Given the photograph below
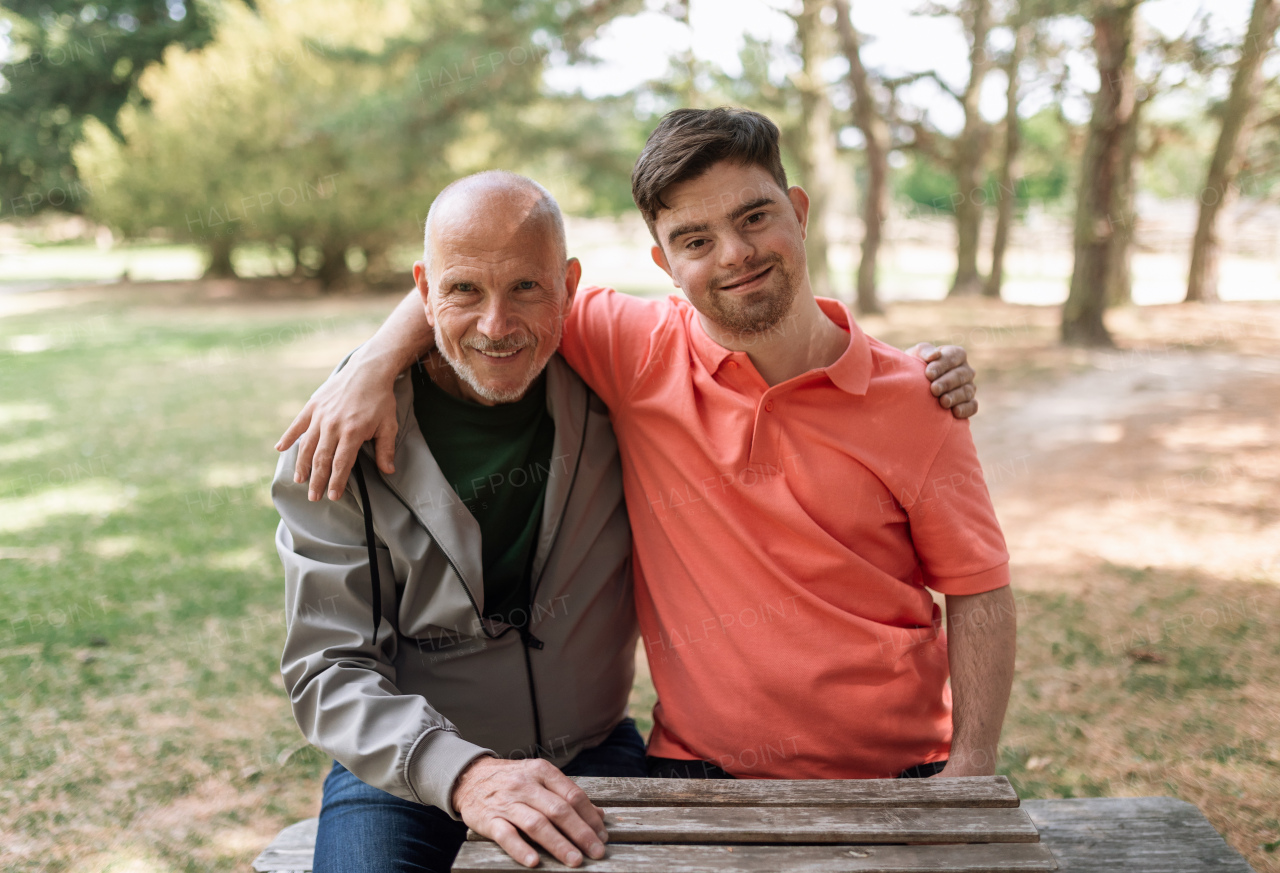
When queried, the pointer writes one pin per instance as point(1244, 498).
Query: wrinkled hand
point(357, 404)
point(950, 376)
point(495, 797)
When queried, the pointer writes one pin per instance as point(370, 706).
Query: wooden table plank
point(292, 851)
point(1134, 835)
point(1017, 858)
point(979, 791)
point(811, 824)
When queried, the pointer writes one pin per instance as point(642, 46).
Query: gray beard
point(760, 311)
point(467, 374)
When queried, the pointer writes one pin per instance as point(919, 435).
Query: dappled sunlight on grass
point(92, 497)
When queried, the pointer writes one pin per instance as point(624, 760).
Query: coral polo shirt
point(784, 540)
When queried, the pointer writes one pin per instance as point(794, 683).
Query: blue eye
point(526, 285)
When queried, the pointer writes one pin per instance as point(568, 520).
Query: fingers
point(384, 446)
point(924, 351)
point(570, 823)
point(948, 358)
point(322, 463)
point(960, 395)
point(505, 835)
point(952, 380)
point(306, 450)
point(581, 805)
point(538, 824)
point(344, 459)
point(965, 410)
point(299, 426)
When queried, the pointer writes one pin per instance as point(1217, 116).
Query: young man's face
point(733, 241)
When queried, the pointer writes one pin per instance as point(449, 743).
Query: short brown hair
point(688, 141)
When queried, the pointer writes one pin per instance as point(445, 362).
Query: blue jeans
point(366, 830)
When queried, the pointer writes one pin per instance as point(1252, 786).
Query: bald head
point(496, 282)
point(498, 204)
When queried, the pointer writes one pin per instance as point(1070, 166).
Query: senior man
point(416, 714)
point(459, 628)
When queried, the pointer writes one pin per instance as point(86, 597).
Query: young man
point(790, 486)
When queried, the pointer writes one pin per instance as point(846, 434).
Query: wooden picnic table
point(833, 826)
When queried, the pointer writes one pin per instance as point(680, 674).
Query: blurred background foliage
point(278, 124)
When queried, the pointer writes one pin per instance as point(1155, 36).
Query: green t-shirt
point(497, 458)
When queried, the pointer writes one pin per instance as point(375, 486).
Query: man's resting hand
point(496, 797)
point(950, 377)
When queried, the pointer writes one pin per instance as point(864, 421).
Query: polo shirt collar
point(850, 373)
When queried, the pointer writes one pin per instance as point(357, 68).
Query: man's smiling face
point(497, 289)
point(733, 240)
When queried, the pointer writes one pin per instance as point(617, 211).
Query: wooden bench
point(858, 825)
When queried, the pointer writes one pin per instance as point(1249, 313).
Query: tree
point(816, 152)
point(970, 149)
point(1237, 119)
point(871, 121)
point(1101, 173)
point(1009, 174)
point(334, 151)
point(73, 62)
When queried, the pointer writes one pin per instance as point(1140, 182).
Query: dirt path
point(1141, 502)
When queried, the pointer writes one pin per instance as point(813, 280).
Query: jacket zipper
point(527, 639)
point(526, 632)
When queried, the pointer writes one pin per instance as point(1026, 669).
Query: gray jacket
point(442, 685)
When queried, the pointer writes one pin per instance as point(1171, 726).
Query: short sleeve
point(953, 523)
point(609, 338)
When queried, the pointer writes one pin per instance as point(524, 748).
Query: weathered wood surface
point(1116, 835)
point(639, 858)
point(984, 791)
point(1140, 834)
point(812, 824)
point(291, 851)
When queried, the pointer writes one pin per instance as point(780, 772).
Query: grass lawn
point(143, 724)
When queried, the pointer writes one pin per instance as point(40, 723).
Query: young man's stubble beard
point(760, 310)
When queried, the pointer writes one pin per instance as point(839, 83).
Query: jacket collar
point(422, 487)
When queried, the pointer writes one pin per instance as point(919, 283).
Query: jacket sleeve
point(341, 685)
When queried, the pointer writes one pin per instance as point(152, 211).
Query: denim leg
point(923, 771)
point(366, 830)
point(678, 768)
point(621, 754)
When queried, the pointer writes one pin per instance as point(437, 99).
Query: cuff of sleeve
point(977, 583)
point(439, 760)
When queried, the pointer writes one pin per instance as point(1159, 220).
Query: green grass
point(140, 612)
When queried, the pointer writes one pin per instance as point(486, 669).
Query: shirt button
point(768, 406)
point(733, 365)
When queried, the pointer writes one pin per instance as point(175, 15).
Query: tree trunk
point(875, 131)
point(1120, 272)
point(333, 269)
point(1009, 175)
point(1113, 25)
point(220, 266)
point(1202, 284)
point(971, 148)
point(818, 153)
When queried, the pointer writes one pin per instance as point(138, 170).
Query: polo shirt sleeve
point(609, 339)
point(953, 524)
